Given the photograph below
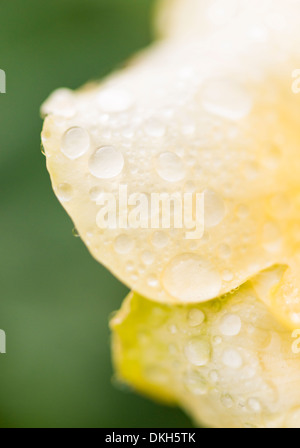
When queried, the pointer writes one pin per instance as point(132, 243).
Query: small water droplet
point(224, 251)
point(217, 340)
point(195, 383)
point(230, 325)
point(195, 317)
point(170, 167)
point(75, 142)
point(155, 128)
point(95, 193)
point(227, 401)
point(214, 376)
point(147, 258)
point(214, 209)
point(197, 352)
point(254, 405)
point(226, 98)
point(75, 233)
point(123, 244)
point(160, 239)
point(107, 162)
point(64, 192)
point(231, 358)
point(190, 278)
point(227, 275)
point(152, 281)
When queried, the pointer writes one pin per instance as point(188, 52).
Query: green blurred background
point(55, 300)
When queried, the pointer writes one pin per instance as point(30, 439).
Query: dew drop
point(95, 193)
point(170, 167)
point(123, 244)
point(217, 340)
point(214, 209)
point(197, 352)
point(195, 317)
point(107, 162)
point(226, 99)
point(230, 325)
point(64, 192)
point(224, 251)
point(147, 258)
point(155, 128)
point(227, 401)
point(231, 358)
point(195, 383)
point(160, 239)
point(152, 281)
point(75, 142)
point(115, 100)
point(254, 405)
point(272, 238)
point(227, 276)
point(190, 278)
point(214, 376)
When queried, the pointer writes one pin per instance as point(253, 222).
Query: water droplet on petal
point(195, 317)
point(75, 142)
point(170, 167)
point(160, 239)
point(107, 162)
point(155, 128)
point(190, 278)
point(254, 405)
point(227, 401)
point(123, 244)
point(230, 325)
point(226, 99)
point(152, 281)
point(147, 258)
point(197, 352)
point(231, 358)
point(224, 251)
point(195, 383)
point(214, 209)
point(64, 192)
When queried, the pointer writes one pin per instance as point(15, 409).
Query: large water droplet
point(226, 98)
point(75, 142)
point(170, 167)
point(106, 162)
point(230, 325)
point(197, 352)
point(190, 278)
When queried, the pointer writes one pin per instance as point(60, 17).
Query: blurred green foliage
point(55, 300)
